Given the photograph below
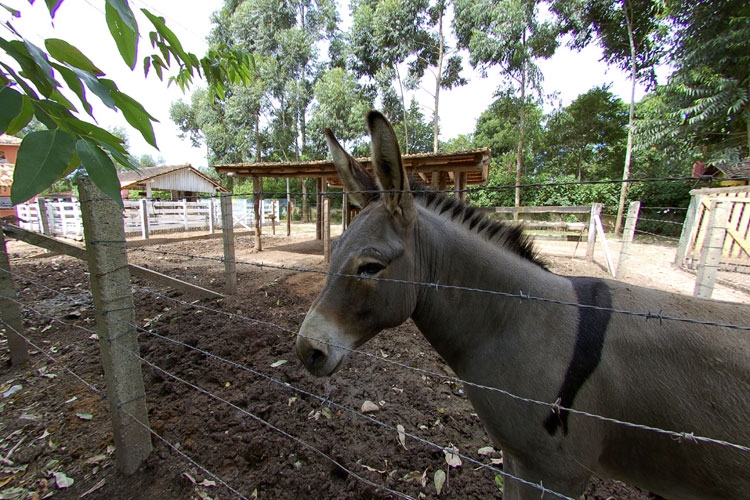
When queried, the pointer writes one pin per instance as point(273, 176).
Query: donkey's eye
point(370, 268)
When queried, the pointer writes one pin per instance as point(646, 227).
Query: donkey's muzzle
point(318, 346)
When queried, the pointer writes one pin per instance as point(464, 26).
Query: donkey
point(577, 350)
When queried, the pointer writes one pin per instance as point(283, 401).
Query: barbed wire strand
point(553, 406)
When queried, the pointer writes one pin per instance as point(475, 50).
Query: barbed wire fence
point(323, 399)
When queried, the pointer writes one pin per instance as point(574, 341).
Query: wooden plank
point(605, 246)
point(79, 252)
point(539, 210)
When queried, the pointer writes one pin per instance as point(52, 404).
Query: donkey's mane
point(508, 236)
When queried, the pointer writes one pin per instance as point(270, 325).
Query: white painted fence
point(143, 216)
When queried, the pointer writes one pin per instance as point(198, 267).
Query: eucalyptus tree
point(631, 35)
point(385, 35)
point(285, 38)
point(512, 35)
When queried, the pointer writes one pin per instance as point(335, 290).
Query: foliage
point(32, 85)
point(709, 92)
point(586, 139)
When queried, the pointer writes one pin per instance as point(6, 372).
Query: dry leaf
point(278, 363)
point(401, 436)
point(487, 450)
point(439, 480)
point(62, 481)
point(451, 456)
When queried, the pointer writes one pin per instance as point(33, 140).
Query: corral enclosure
point(229, 402)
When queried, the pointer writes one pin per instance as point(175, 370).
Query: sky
point(81, 22)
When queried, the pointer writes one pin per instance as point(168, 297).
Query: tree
point(587, 138)
point(630, 34)
point(387, 34)
point(512, 35)
point(30, 87)
point(709, 91)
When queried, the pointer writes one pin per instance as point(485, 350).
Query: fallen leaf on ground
point(62, 481)
point(439, 480)
point(278, 363)
point(401, 435)
point(451, 456)
point(369, 407)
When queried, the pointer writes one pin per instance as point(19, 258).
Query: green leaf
point(75, 85)
point(23, 118)
point(101, 87)
point(42, 159)
point(136, 116)
point(52, 6)
point(123, 28)
point(11, 103)
point(100, 168)
point(70, 55)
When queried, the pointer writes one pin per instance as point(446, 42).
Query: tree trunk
point(438, 82)
point(521, 133)
point(631, 120)
point(403, 103)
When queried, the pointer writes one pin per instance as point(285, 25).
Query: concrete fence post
point(10, 311)
point(109, 277)
point(227, 232)
point(627, 236)
point(596, 210)
point(143, 212)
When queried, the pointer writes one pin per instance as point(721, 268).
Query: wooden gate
point(735, 255)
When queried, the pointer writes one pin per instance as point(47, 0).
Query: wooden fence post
point(713, 245)
point(227, 232)
point(143, 212)
point(115, 323)
point(10, 311)
point(185, 214)
point(596, 209)
point(627, 236)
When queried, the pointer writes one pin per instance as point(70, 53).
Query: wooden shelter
point(182, 181)
point(459, 168)
point(439, 170)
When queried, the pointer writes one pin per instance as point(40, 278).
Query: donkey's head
point(360, 297)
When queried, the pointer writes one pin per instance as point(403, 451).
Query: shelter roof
point(134, 178)
point(475, 162)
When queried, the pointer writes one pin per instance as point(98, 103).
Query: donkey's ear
point(389, 169)
point(359, 183)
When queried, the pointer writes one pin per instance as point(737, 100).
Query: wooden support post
point(326, 229)
point(319, 209)
point(185, 214)
point(289, 215)
point(10, 311)
point(115, 323)
point(143, 212)
point(344, 211)
point(596, 209)
point(257, 211)
point(713, 244)
point(227, 232)
point(627, 236)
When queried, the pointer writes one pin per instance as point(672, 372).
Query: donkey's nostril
point(316, 357)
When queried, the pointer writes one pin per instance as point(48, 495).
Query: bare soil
point(259, 423)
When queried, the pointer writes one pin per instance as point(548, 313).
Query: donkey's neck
point(479, 307)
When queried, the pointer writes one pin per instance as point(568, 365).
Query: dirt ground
point(263, 427)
